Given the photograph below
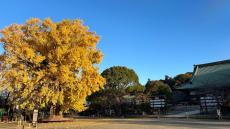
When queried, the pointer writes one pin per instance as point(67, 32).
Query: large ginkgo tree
point(50, 64)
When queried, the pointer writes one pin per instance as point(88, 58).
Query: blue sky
point(153, 37)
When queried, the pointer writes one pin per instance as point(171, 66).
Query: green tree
point(119, 77)
point(170, 81)
point(118, 80)
point(182, 78)
point(135, 89)
point(178, 80)
point(105, 101)
point(157, 88)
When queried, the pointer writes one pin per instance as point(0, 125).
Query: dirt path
point(127, 124)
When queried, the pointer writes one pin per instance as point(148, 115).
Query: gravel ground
point(127, 124)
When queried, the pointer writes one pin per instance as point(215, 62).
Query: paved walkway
point(129, 124)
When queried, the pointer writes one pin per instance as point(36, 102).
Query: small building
point(210, 85)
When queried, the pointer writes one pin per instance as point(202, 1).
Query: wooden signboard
point(157, 103)
point(210, 103)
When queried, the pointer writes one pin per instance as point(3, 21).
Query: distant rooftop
point(210, 75)
point(214, 63)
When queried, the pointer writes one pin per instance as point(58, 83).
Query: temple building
point(210, 85)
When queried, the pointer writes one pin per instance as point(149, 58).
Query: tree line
point(124, 95)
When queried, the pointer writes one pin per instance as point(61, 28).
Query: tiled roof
point(211, 75)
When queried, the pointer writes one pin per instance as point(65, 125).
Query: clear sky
point(153, 37)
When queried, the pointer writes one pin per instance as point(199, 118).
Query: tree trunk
point(55, 113)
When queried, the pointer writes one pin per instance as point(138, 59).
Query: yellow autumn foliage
point(48, 63)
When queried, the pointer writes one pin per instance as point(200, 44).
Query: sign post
point(210, 103)
point(158, 104)
point(35, 118)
